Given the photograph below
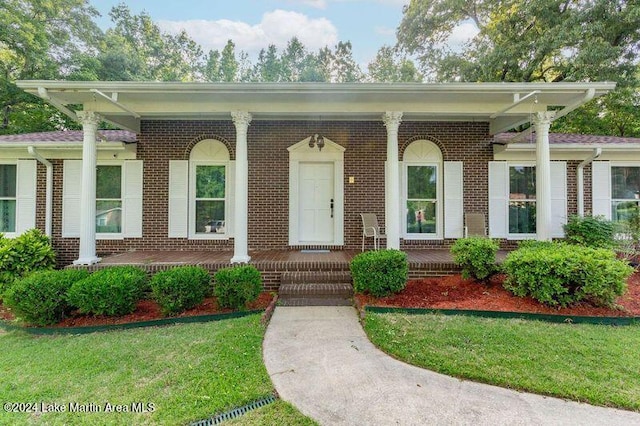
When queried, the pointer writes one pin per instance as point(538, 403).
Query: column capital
point(89, 117)
point(241, 118)
point(543, 118)
point(392, 119)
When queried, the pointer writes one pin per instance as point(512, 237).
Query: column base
point(241, 259)
point(87, 261)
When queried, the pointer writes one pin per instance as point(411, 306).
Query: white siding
point(453, 200)
point(72, 176)
point(132, 199)
point(498, 199)
point(558, 198)
point(601, 188)
point(178, 198)
point(26, 195)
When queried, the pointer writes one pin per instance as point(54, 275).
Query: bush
point(562, 274)
point(476, 256)
point(379, 273)
point(110, 291)
point(41, 297)
point(237, 286)
point(179, 289)
point(30, 251)
point(596, 232)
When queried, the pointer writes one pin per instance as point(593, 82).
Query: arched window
point(422, 190)
point(209, 200)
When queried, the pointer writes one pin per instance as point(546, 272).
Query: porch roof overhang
point(503, 105)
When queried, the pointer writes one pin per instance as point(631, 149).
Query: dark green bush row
point(559, 274)
point(476, 256)
point(237, 286)
point(112, 291)
point(179, 289)
point(596, 232)
point(379, 273)
point(30, 251)
point(41, 297)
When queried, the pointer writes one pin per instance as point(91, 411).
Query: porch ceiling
point(503, 105)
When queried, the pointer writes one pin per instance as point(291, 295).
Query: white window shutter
point(558, 198)
point(72, 176)
point(601, 188)
point(26, 195)
point(231, 198)
point(498, 199)
point(453, 200)
point(178, 198)
point(132, 198)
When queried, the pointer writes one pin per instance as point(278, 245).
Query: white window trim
point(613, 164)
point(512, 236)
point(115, 235)
point(438, 235)
point(15, 232)
point(192, 201)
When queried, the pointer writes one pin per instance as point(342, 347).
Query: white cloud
point(277, 27)
point(385, 31)
point(462, 34)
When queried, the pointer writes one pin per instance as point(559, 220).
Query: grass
point(189, 372)
point(278, 413)
point(589, 363)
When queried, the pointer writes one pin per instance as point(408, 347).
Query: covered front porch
point(274, 263)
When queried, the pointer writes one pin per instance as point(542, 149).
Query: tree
point(229, 63)
point(387, 67)
point(268, 67)
point(518, 40)
point(37, 38)
point(344, 68)
point(293, 60)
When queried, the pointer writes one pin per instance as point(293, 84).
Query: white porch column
point(542, 121)
point(87, 255)
point(392, 121)
point(241, 119)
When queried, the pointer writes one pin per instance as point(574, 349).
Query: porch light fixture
point(316, 140)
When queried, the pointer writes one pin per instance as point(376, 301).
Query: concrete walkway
point(321, 361)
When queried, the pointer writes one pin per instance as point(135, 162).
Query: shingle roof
point(571, 138)
point(70, 136)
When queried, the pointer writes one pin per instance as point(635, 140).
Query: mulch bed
point(454, 292)
point(147, 310)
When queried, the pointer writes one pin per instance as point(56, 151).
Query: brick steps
point(315, 288)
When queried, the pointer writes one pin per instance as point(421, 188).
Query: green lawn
point(188, 373)
point(589, 363)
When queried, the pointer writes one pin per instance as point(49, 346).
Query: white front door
point(317, 203)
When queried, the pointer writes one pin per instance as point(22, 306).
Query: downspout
point(49, 189)
point(580, 179)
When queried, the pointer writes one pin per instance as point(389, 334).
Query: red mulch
point(454, 292)
point(147, 310)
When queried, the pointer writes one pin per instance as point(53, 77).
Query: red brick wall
point(364, 159)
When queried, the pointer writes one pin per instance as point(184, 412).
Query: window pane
point(7, 180)
point(108, 182)
point(109, 216)
point(7, 215)
point(421, 217)
point(210, 217)
point(210, 181)
point(625, 182)
point(623, 210)
point(421, 182)
point(522, 183)
point(522, 217)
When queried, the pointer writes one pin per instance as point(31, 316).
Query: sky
point(254, 24)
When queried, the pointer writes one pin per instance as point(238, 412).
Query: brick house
point(240, 167)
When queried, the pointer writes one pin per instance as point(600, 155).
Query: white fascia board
point(63, 145)
point(577, 152)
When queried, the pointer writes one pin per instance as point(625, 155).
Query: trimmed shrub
point(476, 256)
point(110, 291)
point(562, 274)
point(179, 289)
point(30, 251)
point(380, 273)
point(596, 232)
point(237, 286)
point(41, 297)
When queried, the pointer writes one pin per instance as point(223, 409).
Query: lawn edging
point(128, 326)
point(560, 319)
